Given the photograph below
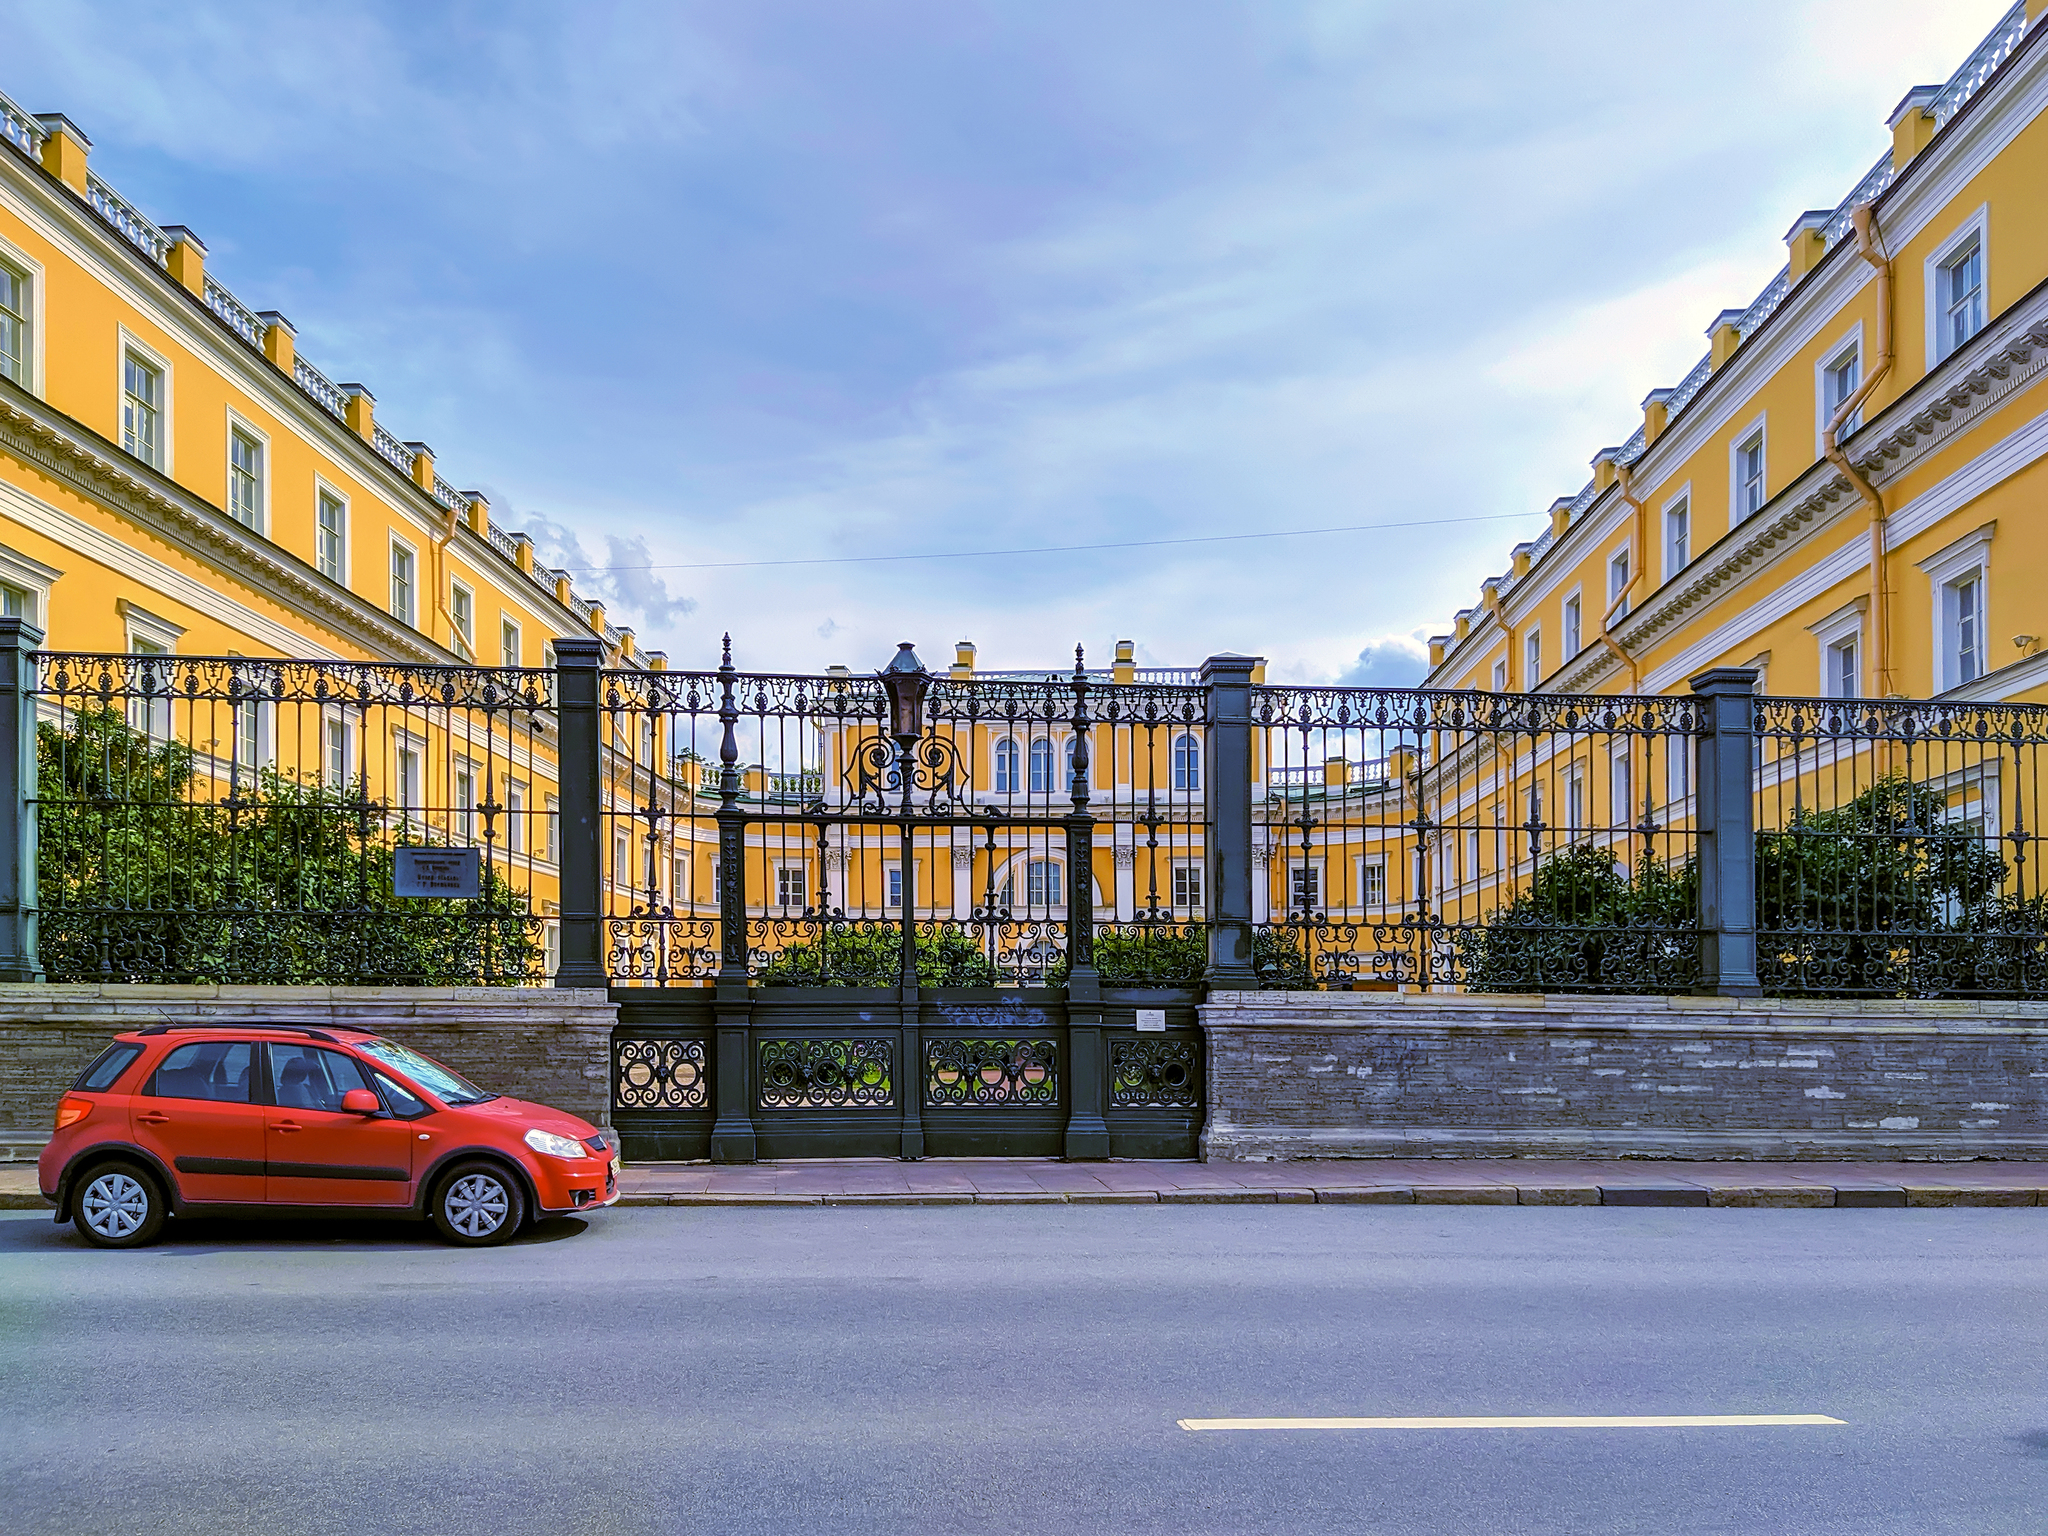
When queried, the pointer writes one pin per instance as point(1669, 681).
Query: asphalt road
point(977, 1369)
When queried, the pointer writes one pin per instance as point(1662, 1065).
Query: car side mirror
point(360, 1101)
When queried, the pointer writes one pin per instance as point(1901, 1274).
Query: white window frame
point(1055, 874)
point(1757, 432)
point(1678, 770)
point(1680, 502)
point(892, 885)
point(792, 874)
point(1571, 625)
point(333, 719)
point(1372, 881)
point(1575, 801)
point(465, 644)
point(1032, 757)
point(1976, 227)
point(412, 553)
point(509, 629)
point(31, 272)
point(1532, 656)
point(408, 801)
point(1620, 562)
point(1002, 747)
point(1184, 881)
point(165, 464)
point(237, 422)
point(320, 486)
point(1966, 557)
point(1186, 775)
point(33, 580)
point(1621, 786)
point(1313, 868)
point(1500, 674)
point(517, 793)
point(1845, 624)
point(1846, 346)
point(551, 828)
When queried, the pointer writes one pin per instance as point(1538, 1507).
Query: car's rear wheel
point(478, 1205)
point(118, 1205)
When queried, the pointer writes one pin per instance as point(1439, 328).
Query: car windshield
point(449, 1087)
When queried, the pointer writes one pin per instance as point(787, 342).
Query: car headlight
point(555, 1146)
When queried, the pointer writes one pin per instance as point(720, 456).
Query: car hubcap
point(115, 1205)
point(477, 1205)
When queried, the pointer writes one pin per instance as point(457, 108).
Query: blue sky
point(693, 283)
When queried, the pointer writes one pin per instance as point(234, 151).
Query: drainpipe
point(1637, 560)
point(1871, 249)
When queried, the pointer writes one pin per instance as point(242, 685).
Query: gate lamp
point(906, 683)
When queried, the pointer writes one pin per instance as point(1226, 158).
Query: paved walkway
point(1015, 1181)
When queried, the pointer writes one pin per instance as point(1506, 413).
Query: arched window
point(1068, 784)
point(1187, 764)
point(1041, 767)
point(1006, 766)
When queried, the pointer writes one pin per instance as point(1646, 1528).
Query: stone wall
point(531, 1043)
point(1355, 1074)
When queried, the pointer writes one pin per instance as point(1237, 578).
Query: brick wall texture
point(549, 1045)
point(1310, 1074)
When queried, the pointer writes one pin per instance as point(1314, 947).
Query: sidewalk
point(1014, 1181)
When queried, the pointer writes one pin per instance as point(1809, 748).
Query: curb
point(1654, 1196)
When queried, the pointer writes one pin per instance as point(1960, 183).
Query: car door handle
point(153, 1117)
point(285, 1125)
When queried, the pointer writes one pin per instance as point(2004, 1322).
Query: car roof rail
point(286, 1029)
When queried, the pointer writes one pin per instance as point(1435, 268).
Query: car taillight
point(70, 1111)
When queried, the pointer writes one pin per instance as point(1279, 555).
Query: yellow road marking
point(1632, 1421)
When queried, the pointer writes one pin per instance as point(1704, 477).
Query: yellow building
point(1845, 493)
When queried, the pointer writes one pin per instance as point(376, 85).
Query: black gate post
point(1087, 1070)
point(1228, 682)
point(1724, 815)
point(732, 1131)
point(578, 662)
point(19, 643)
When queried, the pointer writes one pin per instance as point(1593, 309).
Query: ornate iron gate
point(903, 915)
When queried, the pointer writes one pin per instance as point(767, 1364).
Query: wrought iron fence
point(238, 819)
point(776, 827)
point(1899, 848)
point(231, 819)
point(1502, 842)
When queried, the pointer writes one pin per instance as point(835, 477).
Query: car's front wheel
point(118, 1206)
point(478, 1205)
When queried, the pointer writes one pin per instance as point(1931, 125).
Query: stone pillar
point(1726, 821)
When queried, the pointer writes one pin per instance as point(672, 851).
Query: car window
point(306, 1077)
point(404, 1103)
point(107, 1069)
point(206, 1069)
point(452, 1088)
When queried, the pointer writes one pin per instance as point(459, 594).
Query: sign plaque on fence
point(445, 872)
point(1151, 1021)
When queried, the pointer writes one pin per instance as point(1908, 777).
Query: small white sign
point(1151, 1021)
point(444, 872)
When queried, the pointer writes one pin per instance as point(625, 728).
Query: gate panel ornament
point(997, 1074)
point(659, 1074)
point(826, 1074)
point(1153, 1074)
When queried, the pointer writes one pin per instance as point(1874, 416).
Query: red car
point(276, 1119)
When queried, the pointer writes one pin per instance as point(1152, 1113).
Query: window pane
point(105, 1071)
point(206, 1069)
point(307, 1077)
point(14, 354)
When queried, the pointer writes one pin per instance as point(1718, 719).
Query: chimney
point(1561, 514)
point(1804, 245)
point(187, 259)
point(963, 659)
point(422, 466)
point(1912, 123)
point(64, 150)
point(1656, 415)
point(279, 340)
point(1604, 470)
point(1723, 338)
point(362, 410)
point(1125, 669)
